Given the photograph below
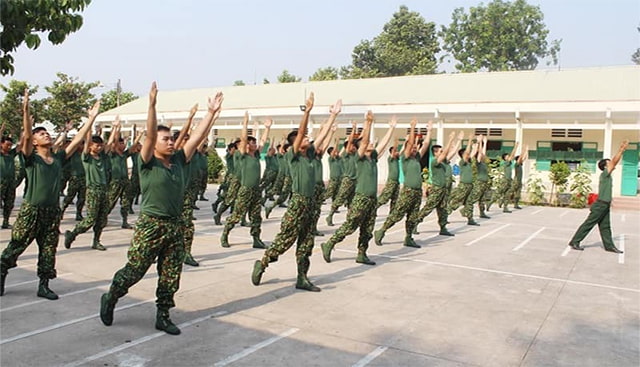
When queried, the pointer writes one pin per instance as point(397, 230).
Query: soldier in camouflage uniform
point(285, 191)
point(516, 190)
point(391, 189)
point(347, 188)
point(119, 186)
point(362, 213)
point(95, 161)
point(249, 194)
point(158, 230)
point(228, 177)
point(438, 192)
point(276, 189)
point(231, 194)
point(270, 174)
point(503, 193)
point(409, 201)
point(134, 180)
point(39, 215)
point(297, 223)
point(7, 177)
point(77, 184)
point(482, 183)
point(461, 195)
point(203, 167)
point(335, 173)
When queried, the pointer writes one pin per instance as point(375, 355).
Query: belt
point(602, 201)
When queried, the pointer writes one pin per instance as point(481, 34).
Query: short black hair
point(434, 147)
point(286, 146)
point(461, 152)
point(97, 139)
point(38, 129)
point(504, 155)
point(391, 148)
point(516, 157)
point(602, 164)
point(330, 150)
point(251, 138)
point(291, 137)
point(163, 128)
point(356, 142)
point(7, 138)
point(231, 146)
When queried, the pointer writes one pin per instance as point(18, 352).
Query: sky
point(186, 44)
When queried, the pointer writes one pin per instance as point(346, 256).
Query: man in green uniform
point(77, 184)
point(248, 198)
point(95, 161)
point(231, 194)
point(362, 212)
point(228, 177)
point(408, 204)
point(39, 215)
point(157, 233)
point(461, 195)
point(600, 210)
point(516, 190)
point(391, 189)
point(7, 177)
point(285, 191)
point(297, 221)
point(503, 193)
point(119, 185)
point(270, 174)
point(347, 188)
point(134, 179)
point(335, 173)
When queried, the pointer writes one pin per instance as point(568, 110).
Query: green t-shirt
point(119, 166)
point(349, 169)
point(302, 173)
point(317, 169)
point(271, 163)
point(237, 163)
point(466, 172)
point(8, 165)
point(95, 169)
point(162, 188)
point(604, 187)
point(483, 171)
point(134, 164)
point(75, 161)
point(228, 159)
point(335, 168)
point(282, 164)
point(518, 171)
point(394, 169)
point(438, 173)
point(44, 179)
point(250, 167)
point(367, 179)
point(412, 172)
point(506, 168)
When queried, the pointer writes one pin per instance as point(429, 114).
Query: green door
point(630, 171)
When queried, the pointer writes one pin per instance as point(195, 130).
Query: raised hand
point(309, 102)
point(68, 126)
point(153, 94)
point(413, 122)
point(394, 121)
point(193, 110)
point(93, 111)
point(267, 123)
point(215, 103)
point(369, 116)
point(336, 108)
point(429, 125)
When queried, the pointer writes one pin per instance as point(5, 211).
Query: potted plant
point(580, 186)
point(559, 176)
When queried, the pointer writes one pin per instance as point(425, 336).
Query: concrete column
point(440, 134)
point(519, 135)
point(608, 137)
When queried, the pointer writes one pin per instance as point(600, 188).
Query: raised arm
point(366, 133)
point(427, 140)
point(243, 147)
point(214, 104)
point(146, 153)
point(186, 128)
point(265, 136)
point(352, 136)
point(611, 165)
point(334, 111)
point(327, 140)
point(513, 152)
point(382, 144)
point(466, 155)
point(408, 145)
point(524, 154)
point(302, 128)
point(27, 125)
point(84, 131)
point(62, 137)
point(445, 151)
point(114, 136)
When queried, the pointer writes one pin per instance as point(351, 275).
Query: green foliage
point(500, 36)
point(559, 175)
point(580, 186)
point(114, 98)
point(636, 55)
point(214, 166)
point(69, 100)
point(238, 83)
point(407, 46)
point(535, 188)
point(285, 77)
point(328, 73)
point(22, 20)
point(11, 106)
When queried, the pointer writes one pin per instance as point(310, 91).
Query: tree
point(328, 73)
point(407, 46)
point(11, 105)
point(69, 100)
point(238, 83)
point(500, 36)
point(285, 77)
point(22, 20)
point(636, 55)
point(114, 98)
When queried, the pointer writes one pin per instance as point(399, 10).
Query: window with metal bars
point(419, 131)
point(488, 131)
point(358, 131)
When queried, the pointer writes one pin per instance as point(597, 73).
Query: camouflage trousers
point(187, 228)
point(461, 195)
point(361, 214)
point(390, 192)
point(478, 192)
point(332, 189)
point(64, 179)
point(285, 193)
point(318, 198)
point(41, 224)
point(408, 205)
point(118, 190)
point(7, 196)
point(276, 189)
point(203, 179)
point(222, 190)
point(296, 226)
point(133, 190)
point(437, 199)
point(230, 194)
point(97, 213)
point(77, 188)
point(267, 181)
point(502, 194)
point(153, 238)
point(248, 201)
point(516, 191)
point(345, 194)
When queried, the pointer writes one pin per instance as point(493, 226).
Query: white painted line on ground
point(438, 234)
point(66, 323)
point(139, 341)
point(564, 213)
point(566, 251)
point(254, 348)
point(370, 357)
point(488, 234)
point(521, 245)
point(46, 300)
point(621, 256)
point(403, 228)
point(500, 272)
point(33, 281)
point(537, 211)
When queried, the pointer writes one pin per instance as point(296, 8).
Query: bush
point(559, 176)
point(580, 186)
point(535, 188)
point(215, 167)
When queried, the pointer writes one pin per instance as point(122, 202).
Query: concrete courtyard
point(507, 293)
